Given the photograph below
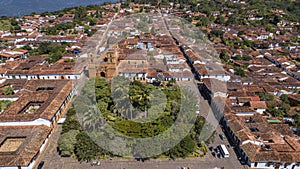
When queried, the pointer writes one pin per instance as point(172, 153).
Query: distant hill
point(23, 7)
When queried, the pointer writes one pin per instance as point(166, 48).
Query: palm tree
point(93, 118)
point(121, 100)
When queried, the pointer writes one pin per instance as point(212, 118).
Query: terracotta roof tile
point(50, 100)
point(34, 137)
point(258, 104)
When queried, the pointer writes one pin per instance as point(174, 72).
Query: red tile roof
point(27, 151)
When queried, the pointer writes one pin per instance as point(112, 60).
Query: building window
point(44, 88)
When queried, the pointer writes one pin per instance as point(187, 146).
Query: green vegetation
point(224, 56)
point(216, 33)
point(74, 141)
point(125, 120)
point(71, 122)
point(143, 24)
point(278, 110)
point(203, 147)
point(5, 25)
point(15, 26)
point(85, 148)
point(8, 90)
point(58, 28)
point(261, 9)
point(81, 18)
point(239, 71)
point(4, 104)
point(67, 142)
point(244, 57)
point(53, 50)
point(285, 99)
point(9, 24)
point(266, 96)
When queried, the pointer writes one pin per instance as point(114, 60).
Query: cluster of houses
point(42, 91)
point(33, 31)
point(27, 124)
point(39, 95)
point(263, 141)
point(139, 59)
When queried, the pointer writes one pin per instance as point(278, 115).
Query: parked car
point(217, 150)
point(222, 136)
point(96, 163)
point(219, 155)
point(243, 162)
point(41, 164)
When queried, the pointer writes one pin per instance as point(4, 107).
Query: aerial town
point(239, 59)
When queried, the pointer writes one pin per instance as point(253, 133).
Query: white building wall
point(43, 145)
point(36, 122)
point(223, 78)
point(51, 77)
point(30, 165)
point(261, 165)
point(175, 70)
point(9, 99)
point(260, 111)
point(264, 165)
point(48, 77)
point(23, 77)
point(244, 113)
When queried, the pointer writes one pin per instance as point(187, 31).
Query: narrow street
point(233, 159)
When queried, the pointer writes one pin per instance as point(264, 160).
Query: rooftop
point(37, 65)
point(263, 141)
point(20, 145)
point(37, 99)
